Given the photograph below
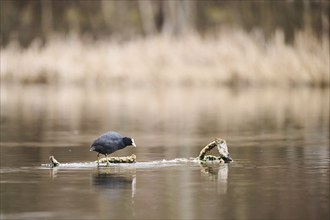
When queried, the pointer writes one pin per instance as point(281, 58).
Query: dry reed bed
point(233, 57)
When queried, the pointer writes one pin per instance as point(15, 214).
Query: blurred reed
point(233, 57)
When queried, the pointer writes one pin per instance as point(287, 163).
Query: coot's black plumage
point(110, 142)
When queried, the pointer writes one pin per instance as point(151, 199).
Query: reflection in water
point(53, 172)
point(35, 116)
point(110, 179)
point(278, 138)
point(218, 175)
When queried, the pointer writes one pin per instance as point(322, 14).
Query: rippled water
point(278, 138)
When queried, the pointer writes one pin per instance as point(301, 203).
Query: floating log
point(128, 159)
point(53, 162)
point(202, 158)
point(211, 158)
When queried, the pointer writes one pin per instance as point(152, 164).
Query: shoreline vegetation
point(231, 58)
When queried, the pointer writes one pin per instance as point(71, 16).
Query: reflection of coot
point(115, 184)
point(112, 181)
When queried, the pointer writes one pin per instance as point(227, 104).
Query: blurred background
point(173, 75)
point(165, 42)
point(26, 21)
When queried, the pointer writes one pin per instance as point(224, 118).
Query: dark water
point(278, 138)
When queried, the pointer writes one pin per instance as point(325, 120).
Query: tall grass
point(233, 57)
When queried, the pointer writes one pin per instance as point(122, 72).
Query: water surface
point(279, 139)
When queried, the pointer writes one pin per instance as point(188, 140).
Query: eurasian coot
point(110, 142)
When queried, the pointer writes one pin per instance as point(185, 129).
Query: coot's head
point(129, 141)
point(223, 150)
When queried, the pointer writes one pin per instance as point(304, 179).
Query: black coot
point(110, 142)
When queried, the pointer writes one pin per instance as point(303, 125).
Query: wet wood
point(203, 158)
point(53, 162)
point(208, 158)
point(128, 159)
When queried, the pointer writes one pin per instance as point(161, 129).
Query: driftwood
point(128, 159)
point(211, 158)
point(203, 158)
point(53, 162)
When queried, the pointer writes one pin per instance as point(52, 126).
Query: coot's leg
point(98, 159)
point(106, 157)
